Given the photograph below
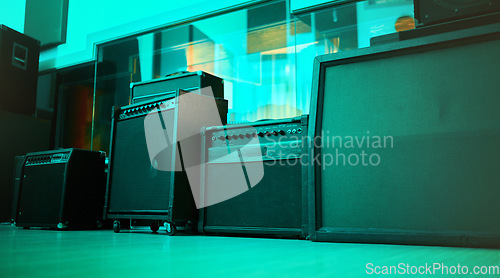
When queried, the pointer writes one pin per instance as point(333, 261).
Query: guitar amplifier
point(254, 178)
point(166, 87)
point(415, 157)
point(62, 189)
point(148, 172)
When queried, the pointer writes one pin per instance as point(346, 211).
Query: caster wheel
point(170, 227)
point(116, 226)
point(154, 226)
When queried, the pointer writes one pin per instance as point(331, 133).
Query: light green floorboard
point(45, 253)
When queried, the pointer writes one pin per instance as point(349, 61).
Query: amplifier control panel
point(273, 133)
point(268, 140)
point(49, 158)
point(138, 110)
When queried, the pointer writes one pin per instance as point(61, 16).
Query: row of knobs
point(143, 109)
point(40, 159)
point(259, 134)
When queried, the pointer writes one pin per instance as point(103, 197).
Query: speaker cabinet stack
point(21, 133)
point(254, 179)
point(61, 189)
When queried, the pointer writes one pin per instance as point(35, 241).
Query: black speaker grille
point(441, 171)
point(41, 191)
point(135, 183)
point(275, 202)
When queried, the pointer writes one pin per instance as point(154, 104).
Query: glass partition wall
point(263, 52)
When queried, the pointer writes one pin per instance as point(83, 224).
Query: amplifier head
point(166, 87)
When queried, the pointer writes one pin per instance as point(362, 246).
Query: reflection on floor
point(47, 253)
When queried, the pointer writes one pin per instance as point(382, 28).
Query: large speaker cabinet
point(62, 189)
point(254, 179)
point(429, 109)
point(18, 71)
point(149, 180)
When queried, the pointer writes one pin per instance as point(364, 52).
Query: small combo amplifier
point(429, 12)
point(18, 71)
point(149, 163)
point(254, 179)
point(61, 189)
point(166, 87)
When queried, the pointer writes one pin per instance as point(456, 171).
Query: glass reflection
point(264, 54)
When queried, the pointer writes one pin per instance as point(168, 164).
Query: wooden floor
point(46, 253)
